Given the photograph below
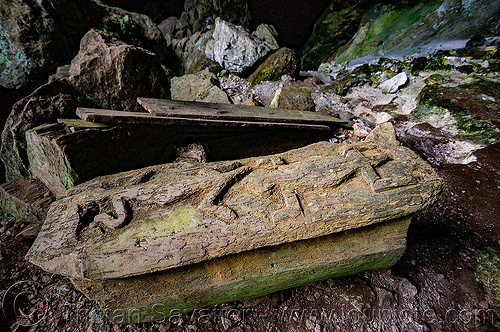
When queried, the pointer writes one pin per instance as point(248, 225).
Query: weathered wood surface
point(62, 158)
point(79, 123)
point(190, 109)
point(177, 214)
point(248, 274)
point(27, 200)
point(119, 118)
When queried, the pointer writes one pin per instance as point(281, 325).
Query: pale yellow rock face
point(177, 214)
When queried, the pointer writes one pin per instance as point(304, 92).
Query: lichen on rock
point(236, 49)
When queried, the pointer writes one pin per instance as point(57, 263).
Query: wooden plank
point(26, 200)
point(119, 117)
point(79, 123)
point(249, 274)
point(61, 158)
point(190, 109)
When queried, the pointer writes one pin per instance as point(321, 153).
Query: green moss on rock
point(473, 108)
point(332, 30)
point(488, 270)
point(282, 62)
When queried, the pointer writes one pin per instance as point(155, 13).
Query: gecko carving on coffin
point(172, 215)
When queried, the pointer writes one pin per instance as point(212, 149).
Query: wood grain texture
point(188, 109)
point(119, 118)
point(62, 156)
point(178, 214)
point(248, 274)
point(26, 200)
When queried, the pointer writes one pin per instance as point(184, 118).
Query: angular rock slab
point(248, 274)
point(177, 214)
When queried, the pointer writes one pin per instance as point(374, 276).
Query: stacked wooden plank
point(106, 142)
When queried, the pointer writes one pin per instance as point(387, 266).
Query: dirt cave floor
point(446, 281)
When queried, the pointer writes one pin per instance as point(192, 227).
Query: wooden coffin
point(189, 235)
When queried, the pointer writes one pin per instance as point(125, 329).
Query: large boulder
point(190, 52)
point(202, 86)
point(282, 62)
point(38, 36)
point(46, 104)
point(138, 30)
point(293, 98)
point(113, 74)
point(236, 49)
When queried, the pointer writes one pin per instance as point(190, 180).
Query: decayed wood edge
point(78, 123)
point(248, 274)
point(27, 200)
point(191, 109)
point(119, 117)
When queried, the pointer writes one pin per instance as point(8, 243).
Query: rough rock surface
point(236, 49)
point(31, 37)
point(37, 37)
point(392, 85)
point(282, 62)
point(420, 27)
point(216, 209)
point(137, 30)
point(202, 86)
point(46, 104)
point(293, 98)
point(333, 29)
point(190, 52)
point(124, 70)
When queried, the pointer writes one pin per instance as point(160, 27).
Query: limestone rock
point(468, 110)
point(137, 30)
point(26, 200)
point(334, 29)
point(392, 85)
point(190, 52)
point(418, 28)
point(248, 274)
point(269, 34)
point(178, 214)
point(236, 49)
point(32, 41)
point(62, 72)
point(124, 70)
point(202, 86)
point(383, 134)
point(36, 37)
point(282, 62)
point(169, 28)
point(45, 105)
point(293, 98)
